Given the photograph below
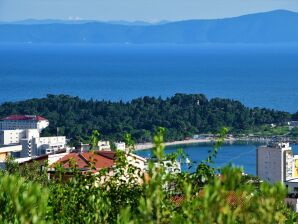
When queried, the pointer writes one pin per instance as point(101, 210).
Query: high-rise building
point(275, 162)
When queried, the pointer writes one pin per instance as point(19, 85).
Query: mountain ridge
point(268, 27)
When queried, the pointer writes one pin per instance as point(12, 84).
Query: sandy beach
point(144, 146)
point(183, 142)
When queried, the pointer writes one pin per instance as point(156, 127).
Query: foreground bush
point(21, 202)
point(201, 197)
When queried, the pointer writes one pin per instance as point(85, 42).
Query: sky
point(136, 10)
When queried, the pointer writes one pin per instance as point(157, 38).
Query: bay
point(257, 75)
point(240, 154)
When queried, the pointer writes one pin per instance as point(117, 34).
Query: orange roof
point(98, 159)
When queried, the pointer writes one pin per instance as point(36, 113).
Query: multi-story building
point(14, 122)
point(275, 162)
point(8, 137)
point(25, 130)
point(47, 145)
point(36, 146)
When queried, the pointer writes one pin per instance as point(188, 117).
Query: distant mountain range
point(278, 26)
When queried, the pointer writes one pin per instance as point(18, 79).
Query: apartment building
point(14, 122)
point(275, 162)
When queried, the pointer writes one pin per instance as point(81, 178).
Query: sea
point(258, 75)
point(239, 154)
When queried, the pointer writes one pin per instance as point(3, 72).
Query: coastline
point(150, 145)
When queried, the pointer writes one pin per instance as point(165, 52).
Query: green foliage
point(182, 115)
point(94, 139)
point(21, 202)
point(124, 194)
point(129, 142)
point(30, 172)
point(294, 132)
point(267, 130)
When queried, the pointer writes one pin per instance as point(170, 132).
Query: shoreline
point(150, 145)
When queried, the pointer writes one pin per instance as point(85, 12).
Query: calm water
point(240, 154)
point(264, 76)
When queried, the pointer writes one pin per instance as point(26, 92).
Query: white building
point(25, 130)
point(173, 167)
point(120, 146)
point(275, 162)
point(8, 137)
point(14, 122)
point(47, 145)
point(103, 146)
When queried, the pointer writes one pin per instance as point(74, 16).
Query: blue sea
point(239, 154)
point(257, 75)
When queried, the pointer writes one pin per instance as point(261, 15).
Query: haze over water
point(257, 75)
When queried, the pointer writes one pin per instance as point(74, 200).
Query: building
point(6, 151)
point(14, 122)
point(275, 162)
point(25, 131)
point(103, 146)
point(8, 137)
point(173, 167)
point(31, 142)
point(94, 161)
point(48, 159)
point(47, 145)
point(120, 146)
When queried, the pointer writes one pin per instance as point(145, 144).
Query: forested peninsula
point(183, 115)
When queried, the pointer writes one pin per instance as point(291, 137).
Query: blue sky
point(131, 10)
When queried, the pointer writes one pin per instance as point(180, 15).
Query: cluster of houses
point(20, 137)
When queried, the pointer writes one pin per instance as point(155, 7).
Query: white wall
point(8, 137)
point(52, 144)
point(272, 164)
point(23, 124)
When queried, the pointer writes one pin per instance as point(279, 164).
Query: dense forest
point(183, 115)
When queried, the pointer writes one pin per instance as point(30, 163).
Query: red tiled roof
point(23, 118)
point(99, 159)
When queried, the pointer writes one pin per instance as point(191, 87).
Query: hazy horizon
point(136, 10)
point(134, 21)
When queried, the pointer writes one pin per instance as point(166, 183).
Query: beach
point(143, 146)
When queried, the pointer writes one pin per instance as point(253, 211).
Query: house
point(93, 162)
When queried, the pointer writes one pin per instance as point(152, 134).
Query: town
point(20, 138)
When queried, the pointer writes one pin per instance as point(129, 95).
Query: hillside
point(183, 115)
point(270, 27)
